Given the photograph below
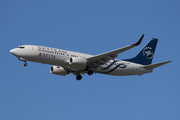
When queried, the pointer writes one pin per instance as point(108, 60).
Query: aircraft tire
point(79, 77)
point(90, 72)
point(25, 64)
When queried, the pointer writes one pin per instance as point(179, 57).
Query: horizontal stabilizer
point(152, 66)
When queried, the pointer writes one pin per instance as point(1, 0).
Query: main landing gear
point(78, 77)
point(90, 72)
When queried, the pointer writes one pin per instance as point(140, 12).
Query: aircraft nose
point(13, 51)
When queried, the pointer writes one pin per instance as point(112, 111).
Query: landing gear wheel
point(79, 77)
point(90, 72)
point(25, 64)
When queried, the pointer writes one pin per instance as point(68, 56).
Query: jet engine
point(58, 70)
point(78, 63)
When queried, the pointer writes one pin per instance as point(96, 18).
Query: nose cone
point(14, 51)
point(11, 51)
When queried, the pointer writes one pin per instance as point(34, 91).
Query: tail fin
point(145, 56)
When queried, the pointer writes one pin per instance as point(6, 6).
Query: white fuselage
point(59, 57)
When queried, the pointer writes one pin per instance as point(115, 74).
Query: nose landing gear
point(25, 64)
point(24, 60)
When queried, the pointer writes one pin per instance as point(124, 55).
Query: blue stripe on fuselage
point(109, 65)
point(123, 66)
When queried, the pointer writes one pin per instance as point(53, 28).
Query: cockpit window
point(21, 47)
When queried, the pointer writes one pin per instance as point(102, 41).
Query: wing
point(95, 61)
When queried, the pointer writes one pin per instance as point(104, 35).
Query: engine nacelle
point(78, 63)
point(58, 70)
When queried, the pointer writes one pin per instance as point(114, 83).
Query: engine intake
point(58, 70)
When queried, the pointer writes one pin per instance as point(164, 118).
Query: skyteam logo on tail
point(148, 53)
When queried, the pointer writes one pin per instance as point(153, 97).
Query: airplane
point(65, 62)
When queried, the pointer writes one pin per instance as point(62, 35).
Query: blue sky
point(93, 27)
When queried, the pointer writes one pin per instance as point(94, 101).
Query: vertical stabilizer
point(145, 56)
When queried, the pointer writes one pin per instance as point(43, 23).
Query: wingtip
point(139, 41)
point(169, 61)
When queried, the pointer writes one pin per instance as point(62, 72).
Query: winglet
point(139, 41)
